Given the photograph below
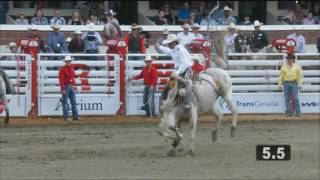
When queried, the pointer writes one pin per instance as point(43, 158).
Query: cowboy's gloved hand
point(174, 75)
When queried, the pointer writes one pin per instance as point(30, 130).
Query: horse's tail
point(220, 59)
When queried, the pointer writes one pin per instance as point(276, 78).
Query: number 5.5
point(266, 153)
point(280, 153)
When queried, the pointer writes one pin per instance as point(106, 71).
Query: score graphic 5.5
point(273, 152)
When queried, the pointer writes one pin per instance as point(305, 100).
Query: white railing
point(18, 68)
point(97, 83)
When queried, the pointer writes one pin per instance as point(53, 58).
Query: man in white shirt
point(195, 29)
point(22, 20)
point(300, 40)
point(182, 61)
point(185, 36)
point(229, 39)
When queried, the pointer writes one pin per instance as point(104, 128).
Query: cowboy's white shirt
point(185, 39)
point(180, 56)
point(229, 42)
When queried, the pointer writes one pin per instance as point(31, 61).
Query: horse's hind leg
point(218, 115)
point(234, 111)
point(193, 129)
point(6, 120)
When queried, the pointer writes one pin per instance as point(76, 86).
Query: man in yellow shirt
point(291, 78)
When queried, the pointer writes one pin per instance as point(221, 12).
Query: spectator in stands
point(92, 40)
point(258, 38)
point(22, 20)
point(242, 42)
point(318, 44)
point(309, 19)
point(246, 20)
point(218, 13)
point(316, 11)
point(75, 18)
point(195, 30)
point(197, 67)
point(171, 20)
point(33, 36)
point(226, 19)
point(229, 39)
point(93, 19)
point(39, 18)
point(4, 8)
point(183, 15)
point(135, 42)
point(164, 36)
point(68, 88)
point(291, 79)
point(160, 19)
point(110, 17)
point(57, 19)
point(185, 36)
point(300, 40)
point(77, 44)
point(56, 40)
point(150, 79)
point(298, 14)
point(200, 11)
point(289, 17)
point(204, 21)
point(192, 18)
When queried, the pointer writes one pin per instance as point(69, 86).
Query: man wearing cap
point(299, 39)
point(57, 19)
point(182, 61)
point(226, 19)
point(150, 79)
point(21, 20)
point(242, 41)
point(109, 17)
point(77, 44)
point(195, 30)
point(163, 36)
point(135, 42)
point(291, 78)
point(92, 40)
point(13, 47)
point(229, 39)
point(258, 38)
point(56, 40)
point(185, 36)
point(67, 86)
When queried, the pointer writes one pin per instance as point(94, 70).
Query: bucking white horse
point(210, 85)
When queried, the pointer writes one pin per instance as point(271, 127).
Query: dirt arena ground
point(128, 148)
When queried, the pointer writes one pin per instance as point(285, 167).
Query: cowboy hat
point(195, 25)
point(32, 27)
point(68, 39)
point(135, 26)
point(226, 8)
point(91, 27)
point(77, 31)
point(232, 26)
point(257, 23)
point(171, 38)
point(185, 26)
point(67, 58)
point(196, 58)
point(110, 12)
point(56, 26)
point(12, 44)
point(165, 31)
point(148, 58)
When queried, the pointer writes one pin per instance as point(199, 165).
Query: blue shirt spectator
point(204, 21)
point(57, 19)
point(56, 41)
point(183, 15)
point(92, 40)
point(226, 19)
point(39, 19)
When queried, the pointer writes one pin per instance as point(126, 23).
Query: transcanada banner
point(270, 103)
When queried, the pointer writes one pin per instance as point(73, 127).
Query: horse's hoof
point(233, 132)
point(180, 147)
point(171, 153)
point(159, 133)
point(190, 153)
point(214, 136)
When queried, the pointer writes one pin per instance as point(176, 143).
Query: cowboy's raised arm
point(166, 50)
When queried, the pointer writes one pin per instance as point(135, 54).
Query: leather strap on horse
point(215, 86)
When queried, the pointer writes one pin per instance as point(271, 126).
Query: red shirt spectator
point(197, 67)
point(66, 76)
point(149, 75)
point(134, 41)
